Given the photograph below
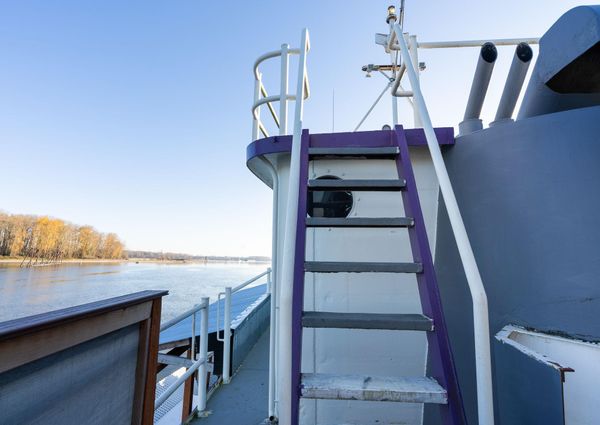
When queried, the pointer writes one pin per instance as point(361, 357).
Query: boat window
point(329, 203)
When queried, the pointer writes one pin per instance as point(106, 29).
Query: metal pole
point(514, 83)
point(394, 110)
point(283, 107)
point(272, 330)
point(388, 85)
point(476, 43)
point(414, 55)
point(193, 345)
point(202, 374)
point(173, 387)
point(289, 249)
point(256, 114)
point(272, 288)
point(481, 82)
point(483, 364)
point(227, 337)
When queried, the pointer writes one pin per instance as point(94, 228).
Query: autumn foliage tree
point(49, 239)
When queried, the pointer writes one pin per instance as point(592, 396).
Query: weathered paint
point(528, 195)
point(372, 388)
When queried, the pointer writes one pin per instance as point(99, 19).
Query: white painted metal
point(167, 393)
point(256, 115)
point(512, 88)
point(272, 289)
point(481, 329)
point(272, 346)
point(388, 85)
point(477, 43)
point(289, 247)
point(227, 337)
point(182, 316)
point(249, 281)
point(373, 388)
point(394, 110)
point(581, 396)
point(261, 96)
point(202, 373)
point(382, 40)
point(398, 79)
point(283, 107)
point(196, 364)
point(193, 346)
point(481, 81)
point(414, 55)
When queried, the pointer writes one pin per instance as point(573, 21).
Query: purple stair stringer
point(441, 361)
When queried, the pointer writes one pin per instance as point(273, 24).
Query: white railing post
point(256, 114)
point(202, 374)
point(195, 365)
point(289, 249)
point(272, 333)
point(193, 345)
point(283, 102)
point(414, 55)
point(483, 366)
point(227, 337)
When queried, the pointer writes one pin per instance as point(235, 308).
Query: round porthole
point(329, 203)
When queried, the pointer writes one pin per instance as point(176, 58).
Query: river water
point(28, 291)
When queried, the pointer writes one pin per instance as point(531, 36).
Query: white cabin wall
point(400, 353)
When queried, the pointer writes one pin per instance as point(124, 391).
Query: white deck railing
point(197, 364)
point(226, 338)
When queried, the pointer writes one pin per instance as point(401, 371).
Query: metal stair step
point(389, 152)
point(375, 185)
point(360, 222)
point(361, 267)
point(398, 322)
point(372, 388)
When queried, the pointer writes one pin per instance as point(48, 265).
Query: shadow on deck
point(244, 400)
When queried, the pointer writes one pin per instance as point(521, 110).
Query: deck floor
point(244, 401)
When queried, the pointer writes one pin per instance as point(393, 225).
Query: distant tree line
point(46, 240)
point(172, 256)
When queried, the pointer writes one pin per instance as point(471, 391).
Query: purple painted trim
point(372, 139)
point(441, 362)
point(298, 289)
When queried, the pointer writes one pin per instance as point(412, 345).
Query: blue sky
point(134, 116)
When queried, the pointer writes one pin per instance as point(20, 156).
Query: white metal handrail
point(483, 367)
point(226, 338)
point(261, 97)
point(200, 364)
point(286, 277)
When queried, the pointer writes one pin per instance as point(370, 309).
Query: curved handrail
point(270, 55)
point(261, 97)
